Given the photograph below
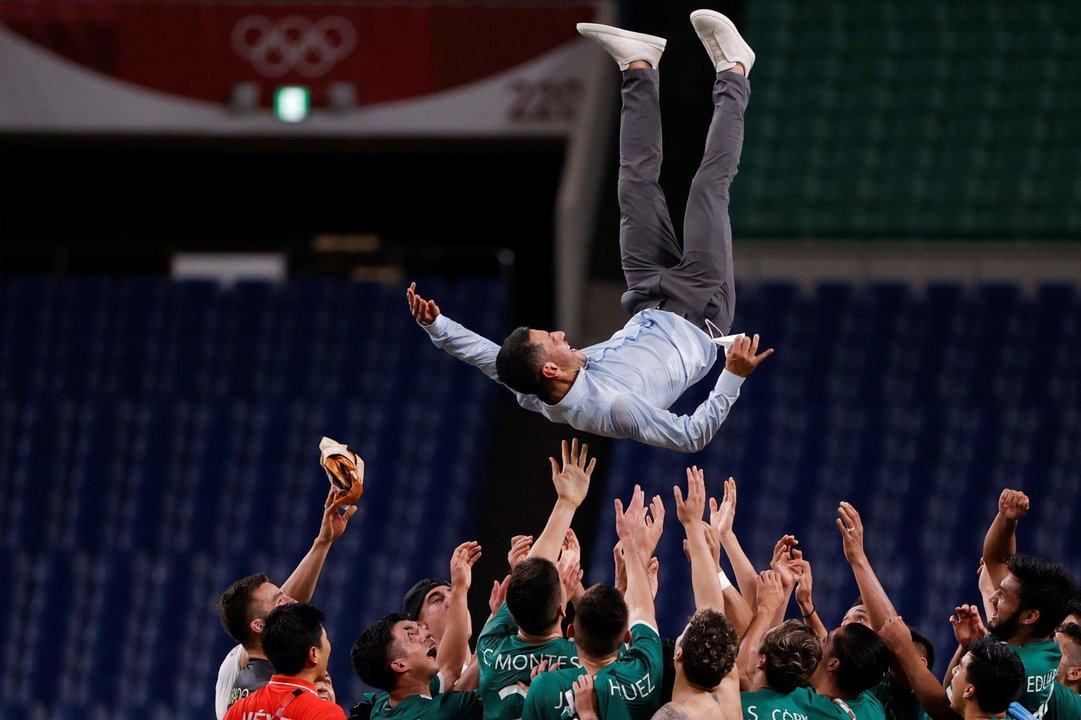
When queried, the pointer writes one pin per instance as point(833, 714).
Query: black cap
point(415, 597)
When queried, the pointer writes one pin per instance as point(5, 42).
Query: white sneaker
point(723, 42)
point(625, 46)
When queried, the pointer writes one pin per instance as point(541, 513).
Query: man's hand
point(851, 528)
point(424, 311)
point(1012, 504)
point(712, 542)
point(620, 582)
point(461, 564)
point(334, 522)
point(570, 574)
point(519, 549)
point(804, 582)
point(723, 515)
point(631, 522)
point(572, 481)
point(651, 536)
point(653, 569)
point(967, 626)
point(770, 594)
point(782, 557)
point(690, 511)
point(895, 634)
point(585, 699)
point(571, 551)
point(742, 359)
point(498, 595)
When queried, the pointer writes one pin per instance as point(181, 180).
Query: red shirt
point(263, 704)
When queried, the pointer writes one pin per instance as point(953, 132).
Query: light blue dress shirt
point(628, 382)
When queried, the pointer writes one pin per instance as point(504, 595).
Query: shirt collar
point(293, 681)
point(577, 391)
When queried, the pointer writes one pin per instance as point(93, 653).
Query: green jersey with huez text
point(805, 704)
point(445, 706)
point(628, 689)
point(506, 660)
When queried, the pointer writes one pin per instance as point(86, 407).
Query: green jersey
point(1041, 661)
point(898, 701)
point(1064, 704)
point(805, 704)
point(628, 689)
point(445, 706)
point(506, 660)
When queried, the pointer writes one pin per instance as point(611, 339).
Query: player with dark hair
point(681, 296)
point(989, 677)
point(1066, 697)
point(526, 630)
point(401, 657)
point(243, 608)
point(787, 656)
point(626, 683)
point(295, 641)
point(1030, 598)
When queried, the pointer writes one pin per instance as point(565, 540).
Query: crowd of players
point(738, 656)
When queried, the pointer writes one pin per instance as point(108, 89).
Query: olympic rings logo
point(293, 44)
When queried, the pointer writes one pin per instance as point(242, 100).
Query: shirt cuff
point(437, 326)
point(727, 384)
point(648, 625)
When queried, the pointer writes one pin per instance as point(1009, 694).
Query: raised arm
point(629, 526)
point(572, 483)
point(455, 339)
point(930, 694)
point(638, 420)
point(704, 580)
point(872, 593)
point(301, 583)
point(453, 652)
point(770, 597)
point(805, 596)
point(722, 516)
point(1000, 543)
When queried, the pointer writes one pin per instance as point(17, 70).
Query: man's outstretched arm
point(1000, 543)
point(638, 420)
point(455, 339)
point(301, 582)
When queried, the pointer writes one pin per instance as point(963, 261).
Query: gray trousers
point(696, 280)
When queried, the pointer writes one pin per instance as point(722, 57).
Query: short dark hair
point(924, 645)
point(710, 646)
point(792, 652)
point(370, 655)
point(535, 595)
point(1072, 651)
point(996, 673)
point(863, 656)
point(234, 607)
point(519, 363)
point(1045, 587)
point(290, 632)
point(600, 621)
point(1074, 608)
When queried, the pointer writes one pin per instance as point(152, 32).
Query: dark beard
point(1006, 628)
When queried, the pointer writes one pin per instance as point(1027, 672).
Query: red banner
point(200, 51)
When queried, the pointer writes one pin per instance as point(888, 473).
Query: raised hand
point(334, 522)
point(424, 311)
point(631, 522)
point(690, 511)
point(571, 551)
point(967, 626)
point(498, 595)
point(519, 549)
point(461, 564)
point(770, 594)
point(1012, 504)
point(895, 633)
point(651, 536)
point(572, 480)
point(782, 556)
point(653, 569)
point(620, 581)
point(804, 581)
point(851, 528)
point(742, 359)
point(721, 516)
